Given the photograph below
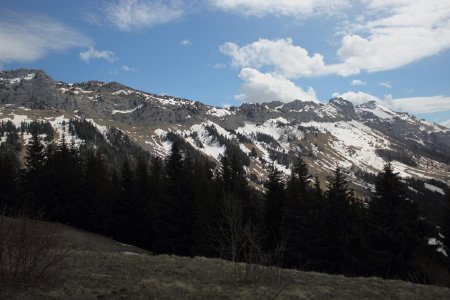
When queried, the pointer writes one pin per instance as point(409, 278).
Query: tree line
point(182, 205)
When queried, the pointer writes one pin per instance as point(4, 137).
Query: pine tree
point(234, 184)
point(9, 187)
point(340, 218)
point(62, 190)
point(142, 208)
point(396, 229)
point(202, 195)
point(33, 178)
point(445, 228)
point(274, 198)
point(97, 192)
point(175, 213)
point(123, 219)
point(157, 181)
point(297, 210)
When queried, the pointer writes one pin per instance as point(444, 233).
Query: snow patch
point(126, 111)
point(219, 112)
point(19, 79)
point(434, 188)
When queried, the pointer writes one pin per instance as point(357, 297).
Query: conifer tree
point(9, 188)
point(97, 192)
point(174, 212)
point(396, 229)
point(234, 184)
point(445, 228)
point(35, 159)
point(62, 184)
point(295, 213)
point(340, 218)
point(122, 213)
point(35, 156)
point(143, 206)
point(274, 199)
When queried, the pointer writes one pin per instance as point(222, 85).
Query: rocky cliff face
point(360, 138)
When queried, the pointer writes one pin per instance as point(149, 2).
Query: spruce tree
point(143, 206)
point(62, 190)
point(396, 230)
point(234, 184)
point(35, 154)
point(274, 199)
point(122, 213)
point(97, 192)
point(175, 212)
point(445, 228)
point(340, 218)
point(33, 176)
point(297, 211)
point(9, 187)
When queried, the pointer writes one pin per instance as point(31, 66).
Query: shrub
point(29, 250)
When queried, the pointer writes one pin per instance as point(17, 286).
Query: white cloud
point(357, 97)
point(282, 55)
point(395, 34)
point(386, 85)
point(185, 42)
point(265, 87)
point(92, 53)
point(358, 82)
point(445, 123)
point(26, 38)
point(423, 104)
point(290, 8)
point(126, 68)
point(389, 35)
point(127, 15)
point(414, 105)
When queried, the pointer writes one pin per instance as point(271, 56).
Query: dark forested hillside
point(186, 205)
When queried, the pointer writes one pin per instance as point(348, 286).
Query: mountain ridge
point(337, 133)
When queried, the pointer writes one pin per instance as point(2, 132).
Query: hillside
point(101, 268)
point(361, 139)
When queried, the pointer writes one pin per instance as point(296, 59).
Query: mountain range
point(361, 139)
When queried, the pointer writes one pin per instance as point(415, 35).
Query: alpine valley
point(360, 139)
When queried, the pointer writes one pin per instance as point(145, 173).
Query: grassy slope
point(99, 268)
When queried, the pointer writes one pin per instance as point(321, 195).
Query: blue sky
point(227, 52)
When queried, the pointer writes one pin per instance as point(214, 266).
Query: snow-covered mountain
point(360, 139)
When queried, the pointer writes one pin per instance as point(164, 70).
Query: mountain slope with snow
point(360, 139)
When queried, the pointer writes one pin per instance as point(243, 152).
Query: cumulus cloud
point(395, 34)
point(266, 87)
point(389, 35)
point(414, 105)
point(127, 15)
point(92, 53)
point(289, 8)
point(357, 82)
point(26, 38)
point(357, 97)
point(281, 55)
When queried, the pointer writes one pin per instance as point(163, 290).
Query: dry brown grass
point(97, 268)
point(29, 250)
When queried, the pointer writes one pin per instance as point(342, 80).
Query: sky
point(227, 52)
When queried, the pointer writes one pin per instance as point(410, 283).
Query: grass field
point(100, 268)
